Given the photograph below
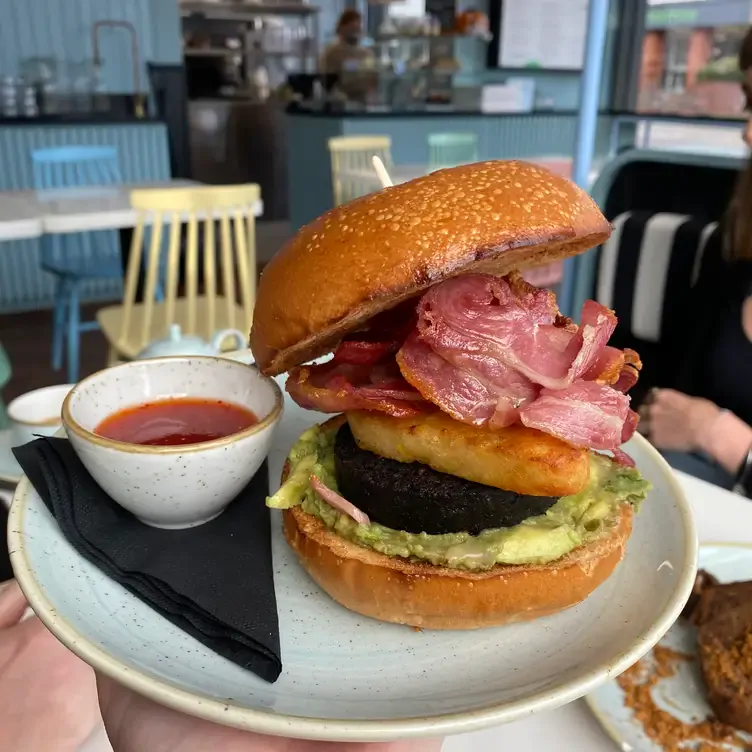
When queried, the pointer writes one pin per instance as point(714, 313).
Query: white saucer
point(346, 677)
point(10, 470)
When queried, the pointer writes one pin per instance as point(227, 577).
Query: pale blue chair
point(451, 149)
point(76, 257)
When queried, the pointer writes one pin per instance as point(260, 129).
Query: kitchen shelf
point(280, 53)
point(245, 11)
point(429, 37)
point(199, 52)
point(279, 36)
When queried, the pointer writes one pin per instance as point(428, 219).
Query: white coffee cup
point(37, 413)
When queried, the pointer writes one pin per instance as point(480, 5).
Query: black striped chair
point(665, 208)
point(646, 272)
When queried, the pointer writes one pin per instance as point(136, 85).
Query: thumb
point(12, 604)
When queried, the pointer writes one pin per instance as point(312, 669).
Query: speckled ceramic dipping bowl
point(173, 486)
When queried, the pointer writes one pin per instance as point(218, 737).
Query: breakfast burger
point(472, 474)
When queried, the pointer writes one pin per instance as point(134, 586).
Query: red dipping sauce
point(172, 422)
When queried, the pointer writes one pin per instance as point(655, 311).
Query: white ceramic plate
point(10, 470)
point(683, 694)
point(346, 677)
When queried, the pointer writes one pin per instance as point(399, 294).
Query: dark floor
point(27, 338)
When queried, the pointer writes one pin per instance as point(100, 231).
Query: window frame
point(628, 54)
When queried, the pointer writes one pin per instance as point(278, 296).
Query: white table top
point(19, 219)
point(398, 174)
point(76, 209)
point(404, 172)
point(721, 517)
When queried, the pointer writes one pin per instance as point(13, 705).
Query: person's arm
point(678, 422)
point(728, 440)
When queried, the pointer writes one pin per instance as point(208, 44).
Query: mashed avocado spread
point(572, 521)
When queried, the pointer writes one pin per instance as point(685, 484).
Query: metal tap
point(138, 98)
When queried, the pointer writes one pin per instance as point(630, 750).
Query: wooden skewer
point(383, 175)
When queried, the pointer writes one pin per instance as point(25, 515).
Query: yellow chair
point(352, 165)
point(226, 295)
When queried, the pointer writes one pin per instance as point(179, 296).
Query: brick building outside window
point(689, 54)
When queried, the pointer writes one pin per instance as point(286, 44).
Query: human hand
point(135, 723)
point(48, 697)
point(676, 421)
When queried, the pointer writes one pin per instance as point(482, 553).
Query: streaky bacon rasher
point(487, 351)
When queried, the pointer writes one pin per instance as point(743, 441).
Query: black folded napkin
point(215, 581)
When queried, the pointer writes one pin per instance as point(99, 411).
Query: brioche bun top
point(368, 255)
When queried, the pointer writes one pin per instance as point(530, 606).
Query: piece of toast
point(724, 620)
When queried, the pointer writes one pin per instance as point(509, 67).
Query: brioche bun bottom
point(396, 590)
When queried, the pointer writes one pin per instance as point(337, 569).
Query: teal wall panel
point(144, 156)
point(499, 136)
point(309, 173)
point(142, 149)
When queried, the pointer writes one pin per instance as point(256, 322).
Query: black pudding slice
point(412, 497)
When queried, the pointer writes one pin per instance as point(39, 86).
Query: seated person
point(705, 426)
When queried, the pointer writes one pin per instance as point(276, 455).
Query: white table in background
point(403, 173)
point(105, 208)
point(398, 174)
point(83, 209)
point(721, 517)
point(19, 218)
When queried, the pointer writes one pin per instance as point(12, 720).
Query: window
point(684, 62)
point(691, 69)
